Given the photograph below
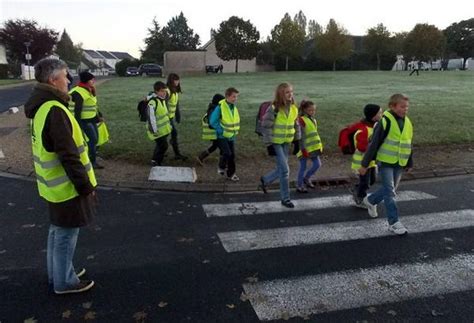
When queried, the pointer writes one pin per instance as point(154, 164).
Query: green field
point(441, 106)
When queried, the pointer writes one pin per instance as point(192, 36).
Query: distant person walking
point(416, 68)
point(172, 101)
point(280, 129)
point(64, 174)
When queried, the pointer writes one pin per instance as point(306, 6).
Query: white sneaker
point(220, 171)
point(398, 228)
point(234, 178)
point(372, 209)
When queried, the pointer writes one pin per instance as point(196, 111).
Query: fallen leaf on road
point(244, 297)
point(392, 312)
point(162, 304)
point(97, 228)
point(2, 251)
point(435, 313)
point(11, 204)
point(156, 203)
point(448, 239)
point(139, 316)
point(187, 240)
point(231, 306)
point(26, 226)
point(252, 279)
point(3, 278)
point(206, 261)
point(158, 236)
point(66, 314)
point(30, 320)
point(87, 305)
point(371, 309)
point(90, 257)
point(89, 316)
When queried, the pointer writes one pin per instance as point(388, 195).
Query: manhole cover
point(5, 131)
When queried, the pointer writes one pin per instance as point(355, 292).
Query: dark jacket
point(57, 137)
point(377, 140)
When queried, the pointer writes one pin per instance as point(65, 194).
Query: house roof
point(106, 54)
point(122, 55)
point(92, 53)
point(206, 45)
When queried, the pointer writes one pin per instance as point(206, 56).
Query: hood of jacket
point(41, 94)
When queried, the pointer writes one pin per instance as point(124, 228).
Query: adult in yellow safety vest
point(280, 129)
point(362, 137)
point(391, 146)
point(225, 119)
point(310, 146)
point(172, 101)
point(64, 174)
point(84, 105)
point(209, 133)
point(158, 123)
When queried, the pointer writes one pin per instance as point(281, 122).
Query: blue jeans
point(61, 246)
point(90, 129)
point(390, 176)
point(282, 171)
point(314, 168)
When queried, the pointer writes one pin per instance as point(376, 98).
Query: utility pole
point(28, 57)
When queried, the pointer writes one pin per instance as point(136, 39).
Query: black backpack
point(142, 110)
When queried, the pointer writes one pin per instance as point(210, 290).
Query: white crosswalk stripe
point(259, 208)
point(358, 288)
point(342, 231)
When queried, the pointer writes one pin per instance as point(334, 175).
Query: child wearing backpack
point(310, 146)
point(391, 145)
point(209, 133)
point(158, 122)
point(174, 89)
point(362, 137)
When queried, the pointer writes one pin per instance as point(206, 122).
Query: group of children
point(383, 141)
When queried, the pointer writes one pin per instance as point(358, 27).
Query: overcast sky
point(122, 25)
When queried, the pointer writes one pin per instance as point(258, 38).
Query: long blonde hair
point(280, 100)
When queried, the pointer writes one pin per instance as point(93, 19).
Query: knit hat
point(370, 111)
point(217, 98)
point(86, 77)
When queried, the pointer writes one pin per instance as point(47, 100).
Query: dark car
point(149, 69)
point(212, 68)
point(132, 71)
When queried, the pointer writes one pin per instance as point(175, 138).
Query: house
point(102, 61)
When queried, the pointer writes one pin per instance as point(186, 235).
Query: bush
point(121, 66)
point(3, 71)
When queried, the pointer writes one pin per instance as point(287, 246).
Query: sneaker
point(81, 273)
point(262, 186)
point(233, 178)
point(372, 209)
point(398, 228)
point(155, 163)
point(220, 171)
point(288, 204)
point(301, 190)
point(200, 161)
point(358, 203)
point(82, 286)
point(309, 183)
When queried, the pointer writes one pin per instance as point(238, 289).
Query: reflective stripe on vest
point(284, 126)
point(230, 123)
point(207, 133)
point(53, 183)
point(396, 148)
point(172, 103)
point(312, 140)
point(163, 126)
point(89, 104)
point(358, 155)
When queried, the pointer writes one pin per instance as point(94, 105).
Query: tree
point(121, 67)
point(67, 51)
point(236, 39)
point(314, 30)
point(179, 36)
point(460, 39)
point(300, 20)
point(287, 39)
point(155, 44)
point(424, 42)
point(378, 42)
point(14, 35)
point(334, 44)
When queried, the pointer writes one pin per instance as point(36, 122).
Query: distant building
point(3, 55)
point(102, 61)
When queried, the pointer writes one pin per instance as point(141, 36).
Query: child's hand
point(305, 153)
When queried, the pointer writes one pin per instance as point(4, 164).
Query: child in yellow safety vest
point(173, 84)
point(372, 114)
point(310, 145)
point(209, 133)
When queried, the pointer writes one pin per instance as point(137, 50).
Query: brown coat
point(57, 137)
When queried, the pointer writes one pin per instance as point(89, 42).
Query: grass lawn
point(441, 106)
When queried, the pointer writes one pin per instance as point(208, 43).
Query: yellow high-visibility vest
point(89, 104)
point(230, 123)
point(172, 103)
point(284, 126)
point(207, 133)
point(396, 148)
point(53, 183)
point(163, 126)
point(312, 139)
point(358, 155)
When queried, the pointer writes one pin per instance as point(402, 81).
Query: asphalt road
point(164, 257)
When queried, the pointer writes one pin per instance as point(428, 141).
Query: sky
point(122, 25)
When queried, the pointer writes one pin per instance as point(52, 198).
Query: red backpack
point(346, 137)
point(261, 112)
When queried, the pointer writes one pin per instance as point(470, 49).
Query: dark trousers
point(90, 129)
point(415, 70)
point(161, 146)
point(365, 182)
point(227, 159)
point(174, 137)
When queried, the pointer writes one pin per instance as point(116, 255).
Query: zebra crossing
point(314, 294)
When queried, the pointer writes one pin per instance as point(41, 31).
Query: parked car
point(149, 69)
point(212, 68)
point(131, 71)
